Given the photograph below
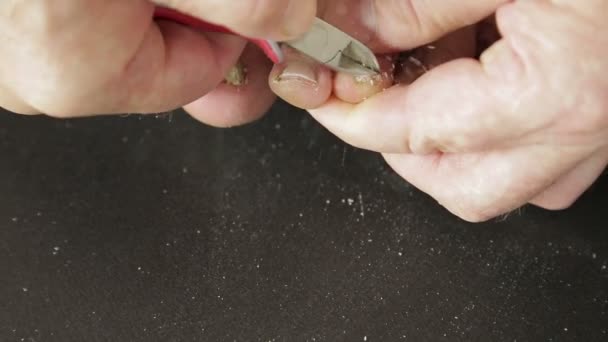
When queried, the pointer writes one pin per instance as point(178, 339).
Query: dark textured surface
point(161, 229)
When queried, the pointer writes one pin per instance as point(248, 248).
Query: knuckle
point(420, 142)
point(447, 137)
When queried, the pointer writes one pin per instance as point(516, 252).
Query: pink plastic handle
point(270, 48)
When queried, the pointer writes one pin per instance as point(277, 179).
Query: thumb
point(271, 19)
point(389, 26)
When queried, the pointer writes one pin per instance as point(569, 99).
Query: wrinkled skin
point(527, 123)
point(68, 58)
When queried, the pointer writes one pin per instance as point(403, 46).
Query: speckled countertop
point(162, 229)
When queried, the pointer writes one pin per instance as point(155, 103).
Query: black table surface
point(158, 228)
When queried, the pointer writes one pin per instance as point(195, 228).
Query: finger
point(478, 187)
point(468, 105)
point(271, 19)
point(409, 66)
point(389, 26)
point(394, 121)
point(301, 81)
point(452, 108)
point(174, 67)
point(567, 189)
point(68, 60)
point(354, 89)
point(238, 104)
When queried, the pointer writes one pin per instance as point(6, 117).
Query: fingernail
point(298, 71)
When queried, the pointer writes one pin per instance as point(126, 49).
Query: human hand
point(527, 123)
point(85, 57)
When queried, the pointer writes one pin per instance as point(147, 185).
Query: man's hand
point(527, 123)
point(85, 57)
